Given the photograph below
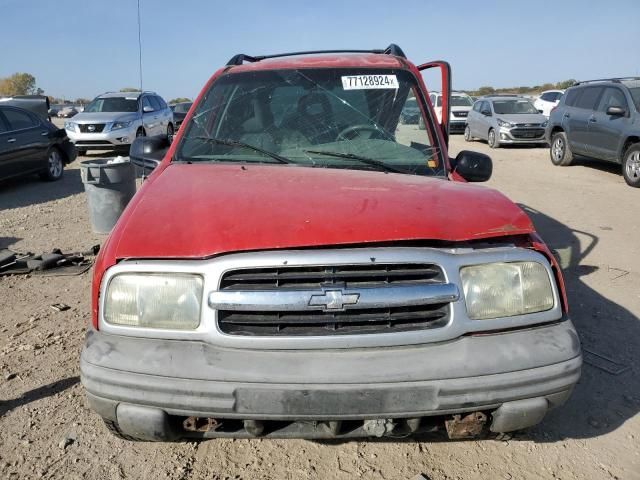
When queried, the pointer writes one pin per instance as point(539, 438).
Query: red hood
point(194, 211)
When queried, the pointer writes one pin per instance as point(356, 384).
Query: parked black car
point(599, 119)
point(180, 111)
point(31, 144)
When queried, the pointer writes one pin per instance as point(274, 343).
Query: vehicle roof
point(123, 94)
point(342, 60)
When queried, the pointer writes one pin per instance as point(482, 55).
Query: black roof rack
point(240, 58)
point(615, 80)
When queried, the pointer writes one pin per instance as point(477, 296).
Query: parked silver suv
point(503, 119)
point(113, 120)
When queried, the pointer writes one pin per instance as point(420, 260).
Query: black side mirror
point(472, 166)
point(540, 111)
point(486, 113)
point(617, 111)
point(148, 152)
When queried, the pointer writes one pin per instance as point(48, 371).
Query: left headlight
point(119, 125)
point(502, 123)
point(544, 124)
point(71, 126)
point(496, 290)
point(151, 300)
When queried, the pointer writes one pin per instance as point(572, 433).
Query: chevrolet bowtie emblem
point(334, 300)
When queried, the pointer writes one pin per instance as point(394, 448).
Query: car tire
point(170, 133)
point(492, 140)
point(55, 166)
point(631, 165)
point(559, 151)
point(467, 134)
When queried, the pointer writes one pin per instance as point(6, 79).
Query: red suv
point(302, 264)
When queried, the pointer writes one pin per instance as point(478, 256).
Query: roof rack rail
point(615, 80)
point(240, 58)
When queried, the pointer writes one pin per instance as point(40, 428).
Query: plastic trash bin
point(109, 184)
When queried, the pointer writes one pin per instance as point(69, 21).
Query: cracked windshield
point(344, 118)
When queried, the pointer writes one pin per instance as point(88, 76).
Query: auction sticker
point(366, 82)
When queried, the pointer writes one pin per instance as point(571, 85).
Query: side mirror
point(147, 109)
point(148, 152)
point(617, 111)
point(472, 166)
point(540, 111)
point(486, 113)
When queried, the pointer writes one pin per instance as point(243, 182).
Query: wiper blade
point(351, 156)
point(235, 143)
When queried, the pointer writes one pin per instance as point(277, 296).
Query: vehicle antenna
point(144, 167)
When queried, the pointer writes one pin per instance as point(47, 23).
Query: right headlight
point(154, 300)
point(496, 290)
point(71, 126)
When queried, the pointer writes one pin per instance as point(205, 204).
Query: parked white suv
point(461, 104)
point(547, 100)
point(114, 120)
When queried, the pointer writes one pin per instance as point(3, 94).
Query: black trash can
point(109, 184)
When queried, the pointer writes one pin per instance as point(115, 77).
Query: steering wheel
point(348, 133)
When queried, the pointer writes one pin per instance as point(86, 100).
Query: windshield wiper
point(235, 143)
point(365, 160)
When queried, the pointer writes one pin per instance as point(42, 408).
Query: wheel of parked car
point(467, 134)
point(55, 165)
point(631, 165)
point(560, 151)
point(170, 133)
point(492, 140)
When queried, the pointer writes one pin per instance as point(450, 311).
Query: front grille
point(97, 127)
point(92, 142)
point(460, 114)
point(527, 132)
point(304, 322)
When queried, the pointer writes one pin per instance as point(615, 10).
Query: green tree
point(486, 90)
point(18, 84)
point(129, 89)
point(81, 101)
point(179, 100)
point(565, 83)
point(547, 86)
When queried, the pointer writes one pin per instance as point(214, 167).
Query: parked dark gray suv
point(599, 119)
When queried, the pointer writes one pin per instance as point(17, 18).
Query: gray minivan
point(599, 119)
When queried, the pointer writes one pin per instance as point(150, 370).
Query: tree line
point(487, 90)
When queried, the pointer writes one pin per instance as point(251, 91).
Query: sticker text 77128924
point(365, 82)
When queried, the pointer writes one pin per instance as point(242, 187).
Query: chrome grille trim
point(296, 300)
point(450, 260)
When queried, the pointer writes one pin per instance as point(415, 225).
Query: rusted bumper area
point(512, 378)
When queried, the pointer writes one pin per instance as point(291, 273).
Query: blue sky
point(80, 48)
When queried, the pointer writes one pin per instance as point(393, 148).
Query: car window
point(589, 98)
point(3, 127)
point(112, 104)
point(485, 106)
point(154, 102)
point(476, 106)
point(162, 103)
point(432, 99)
point(553, 96)
point(460, 101)
point(315, 117)
point(19, 120)
point(612, 97)
point(147, 103)
point(439, 101)
point(513, 106)
point(572, 96)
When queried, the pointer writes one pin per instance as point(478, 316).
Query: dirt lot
point(586, 212)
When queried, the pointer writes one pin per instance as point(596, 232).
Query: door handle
point(592, 120)
point(11, 140)
point(566, 115)
point(44, 134)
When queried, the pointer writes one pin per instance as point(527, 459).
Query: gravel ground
point(584, 211)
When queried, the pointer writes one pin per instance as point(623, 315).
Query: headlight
point(119, 125)
point(497, 290)
point(154, 300)
point(70, 126)
point(544, 124)
point(502, 123)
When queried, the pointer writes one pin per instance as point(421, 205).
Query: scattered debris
point(54, 263)
point(67, 440)
point(60, 307)
point(10, 376)
point(603, 363)
point(469, 426)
